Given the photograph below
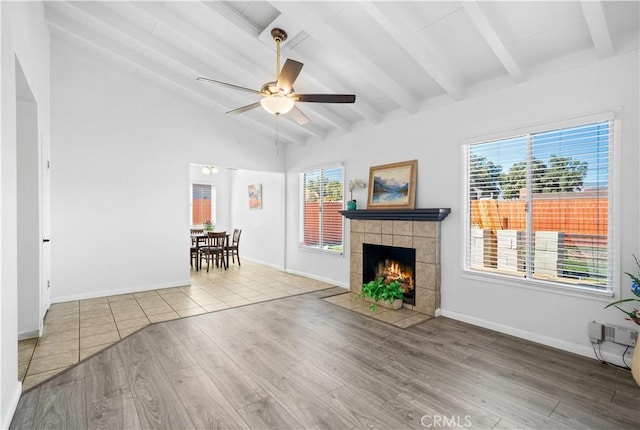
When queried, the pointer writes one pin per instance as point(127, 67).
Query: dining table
point(201, 238)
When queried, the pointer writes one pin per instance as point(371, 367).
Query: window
point(321, 221)
point(201, 203)
point(538, 207)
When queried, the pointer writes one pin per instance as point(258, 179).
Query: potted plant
point(633, 315)
point(353, 185)
point(208, 225)
point(378, 292)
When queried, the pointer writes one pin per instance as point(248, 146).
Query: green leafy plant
point(379, 290)
point(633, 315)
point(208, 225)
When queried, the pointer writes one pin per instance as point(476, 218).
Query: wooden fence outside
point(201, 211)
point(582, 220)
point(331, 223)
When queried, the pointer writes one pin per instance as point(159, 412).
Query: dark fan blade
point(235, 87)
point(244, 108)
point(289, 74)
point(298, 116)
point(326, 98)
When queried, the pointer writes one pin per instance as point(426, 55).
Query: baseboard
point(11, 410)
point(524, 334)
point(128, 290)
point(264, 263)
point(296, 272)
point(29, 334)
point(186, 282)
point(318, 278)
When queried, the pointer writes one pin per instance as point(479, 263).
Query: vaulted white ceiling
point(399, 58)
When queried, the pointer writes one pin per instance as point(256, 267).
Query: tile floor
point(78, 329)
point(402, 318)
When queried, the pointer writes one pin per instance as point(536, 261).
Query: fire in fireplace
point(394, 271)
point(393, 264)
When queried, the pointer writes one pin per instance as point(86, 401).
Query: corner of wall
point(13, 404)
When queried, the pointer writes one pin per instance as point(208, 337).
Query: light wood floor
point(303, 363)
point(78, 329)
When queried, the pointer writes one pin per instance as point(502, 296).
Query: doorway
point(33, 254)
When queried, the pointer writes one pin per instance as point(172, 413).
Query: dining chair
point(234, 247)
point(193, 252)
point(214, 248)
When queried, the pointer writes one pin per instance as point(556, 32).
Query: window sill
point(538, 285)
point(320, 251)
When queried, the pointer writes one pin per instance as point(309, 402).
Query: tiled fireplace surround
point(424, 236)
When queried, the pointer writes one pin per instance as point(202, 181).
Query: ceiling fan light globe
point(277, 104)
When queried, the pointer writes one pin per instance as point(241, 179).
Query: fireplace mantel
point(437, 214)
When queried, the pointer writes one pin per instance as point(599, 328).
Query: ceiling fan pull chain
point(277, 134)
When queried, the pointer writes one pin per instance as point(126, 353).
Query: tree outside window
point(538, 206)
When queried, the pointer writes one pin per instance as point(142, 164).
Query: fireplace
point(417, 230)
point(392, 263)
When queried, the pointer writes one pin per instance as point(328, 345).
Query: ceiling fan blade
point(289, 74)
point(326, 98)
point(298, 116)
point(244, 108)
point(235, 87)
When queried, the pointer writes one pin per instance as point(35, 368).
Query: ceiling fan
point(279, 97)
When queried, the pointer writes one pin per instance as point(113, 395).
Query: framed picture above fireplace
point(393, 186)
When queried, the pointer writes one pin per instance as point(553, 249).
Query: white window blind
point(538, 207)
point(321, 200)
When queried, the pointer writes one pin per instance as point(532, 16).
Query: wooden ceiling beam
point(371, 72)
point(598, 28)
point(236, 68)
point(424, 55)
point(487, 30)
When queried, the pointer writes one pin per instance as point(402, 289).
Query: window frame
point(213, 201)
point(301, 214)
point(613, 196)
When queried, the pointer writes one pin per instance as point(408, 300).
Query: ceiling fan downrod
point(279, 36)
point(279, 97)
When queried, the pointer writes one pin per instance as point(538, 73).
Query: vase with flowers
point(632, 315)
point(353, 185)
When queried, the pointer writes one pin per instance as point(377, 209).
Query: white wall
point(263, 230)
point(121, 148)
point(24, 35)
point(435, 137)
